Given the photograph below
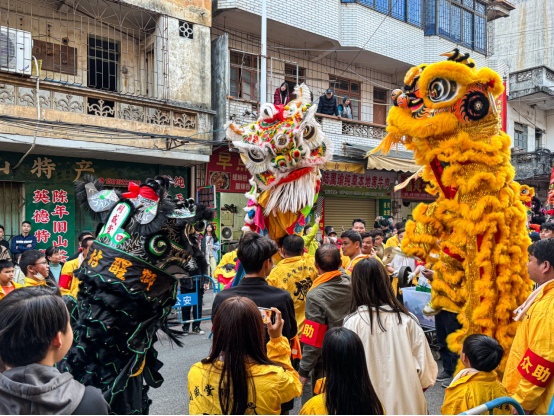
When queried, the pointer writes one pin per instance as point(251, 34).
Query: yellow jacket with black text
point(274, 384)
point(295, 275)
point(528, 374)
point(472, 391)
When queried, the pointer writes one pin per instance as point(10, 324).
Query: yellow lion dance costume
point(447, 116)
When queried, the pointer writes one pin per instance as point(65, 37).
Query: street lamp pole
point(263, 66)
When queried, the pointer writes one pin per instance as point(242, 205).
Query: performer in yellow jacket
point(352, 250)
point(528, 375)
point(309, 236)
point(239, 377)
point(226, 269)
point(68, 280)
point(478, 383)
point(7, 283)
point(295, 274)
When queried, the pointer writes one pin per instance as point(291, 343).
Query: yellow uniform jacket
point(315, 406)
point(274, 385)
point(295, 275)
point(349, 267)
point(528, 374)
point(31, 282)
point(2, 294)
point(392, 242)
point(472, 391)
point(225, 270)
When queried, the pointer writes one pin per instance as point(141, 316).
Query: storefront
point(230, 177)
point(41, 190)
point(412, 195)
point(349, 195)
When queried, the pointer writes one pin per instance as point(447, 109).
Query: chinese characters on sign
point(49, 213)
point(206, 196)
point(227, 173)
point(384, 207)
point(415, 189)
point(372, 184)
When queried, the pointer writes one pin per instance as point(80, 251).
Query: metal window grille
point(12, 207)
point(186, 30)
point(414, 12)
point(97, 44)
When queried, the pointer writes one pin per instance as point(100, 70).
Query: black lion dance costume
point(127, 287)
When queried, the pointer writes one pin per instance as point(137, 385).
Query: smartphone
point(267, 315)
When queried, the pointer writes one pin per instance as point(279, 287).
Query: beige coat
point(399, 360)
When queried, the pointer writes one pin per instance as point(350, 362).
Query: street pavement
point(172, 397)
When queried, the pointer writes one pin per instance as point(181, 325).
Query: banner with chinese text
point(415, 189)
point(227, 172)
point(54, 174)
point(372, 184)
point(51, 210)
point(502, 109)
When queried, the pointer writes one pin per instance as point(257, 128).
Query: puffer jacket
point(326, 304)
point(328, 106)
point(528, 375)
point(274, 385)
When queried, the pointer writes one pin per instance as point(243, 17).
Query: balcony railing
point(96, 44)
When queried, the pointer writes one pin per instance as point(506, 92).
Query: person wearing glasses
point(34, 265)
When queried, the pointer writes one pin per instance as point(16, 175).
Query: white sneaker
point(198, 331)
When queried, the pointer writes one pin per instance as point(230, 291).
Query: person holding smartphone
point(239, 377)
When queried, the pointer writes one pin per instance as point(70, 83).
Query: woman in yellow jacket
point(347, 389)
point(239, 377)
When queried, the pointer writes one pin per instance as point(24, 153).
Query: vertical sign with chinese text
point(384, 207)
point(51, 210)
point(206, 196)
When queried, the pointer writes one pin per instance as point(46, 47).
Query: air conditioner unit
point(226, 233)
point(16, 47)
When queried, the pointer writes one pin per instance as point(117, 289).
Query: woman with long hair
point(399, 359)
point(282, 94)
point(347, 388)
point(210, 247)
point(239, 377)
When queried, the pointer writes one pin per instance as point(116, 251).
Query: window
point(538, 138)
point(382, 6)
point(461, 21)
point(520, 136)
point(342, 87)
point(291, 76)
point(244, 76)
point(468, 30)
point(430, 17)
point(414, 12)
point(399, 9)
point(103, 64)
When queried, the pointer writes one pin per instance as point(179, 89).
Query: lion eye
point(256, 155)
point(442, 90)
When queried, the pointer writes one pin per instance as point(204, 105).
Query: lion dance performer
point(283, 151)
point(127, 287)
point(447, 116)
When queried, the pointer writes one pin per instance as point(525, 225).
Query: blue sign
point(186, 299)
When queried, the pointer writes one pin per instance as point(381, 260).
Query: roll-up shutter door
point(339, 212)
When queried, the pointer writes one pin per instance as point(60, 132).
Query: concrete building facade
point(359, 48)
point(86, 82)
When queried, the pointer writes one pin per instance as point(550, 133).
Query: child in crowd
point(7, 284)
point(34, 335)
point(477, 383)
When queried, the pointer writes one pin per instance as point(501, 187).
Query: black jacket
point(328, 106)
point(265, 296)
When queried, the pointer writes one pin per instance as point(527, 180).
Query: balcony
point(103, 68)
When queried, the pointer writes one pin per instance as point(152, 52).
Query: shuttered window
point(339, 212)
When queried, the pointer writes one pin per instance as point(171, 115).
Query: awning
point(400, 161)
